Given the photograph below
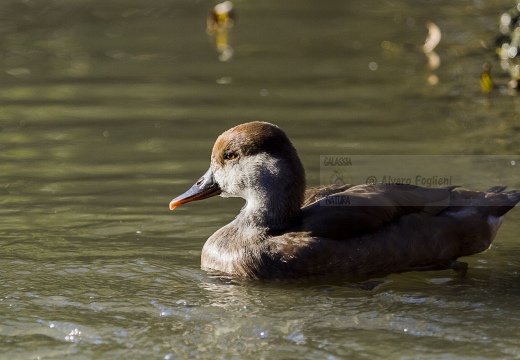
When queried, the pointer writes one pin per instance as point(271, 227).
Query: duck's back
point(380, 229)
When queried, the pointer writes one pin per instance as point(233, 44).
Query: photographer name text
point(427, 181)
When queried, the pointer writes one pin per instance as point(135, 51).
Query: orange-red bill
point(204, 188)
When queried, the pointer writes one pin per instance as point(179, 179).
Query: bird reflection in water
point(219, 22)
point(434, 61)
point(486, 83)
point(432, 40)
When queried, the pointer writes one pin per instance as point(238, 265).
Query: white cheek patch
point(228, 179)
point(249, 177)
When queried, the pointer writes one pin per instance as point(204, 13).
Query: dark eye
point(230, 155)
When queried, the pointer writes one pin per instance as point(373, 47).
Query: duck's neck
point(235, 248)
point(270, 211)
point(273, 201)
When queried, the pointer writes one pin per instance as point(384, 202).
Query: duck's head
point(257, 162)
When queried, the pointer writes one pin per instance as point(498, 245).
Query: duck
point(285, 231)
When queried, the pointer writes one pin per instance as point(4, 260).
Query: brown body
point(285, 231)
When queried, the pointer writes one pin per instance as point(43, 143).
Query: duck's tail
point(479, 215)
point(494, 201)
point(500, 202)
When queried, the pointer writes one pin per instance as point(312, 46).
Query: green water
point(108, 110)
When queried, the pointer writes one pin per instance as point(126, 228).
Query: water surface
point(109, 110)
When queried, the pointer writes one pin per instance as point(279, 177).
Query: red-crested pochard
point(285, 231)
